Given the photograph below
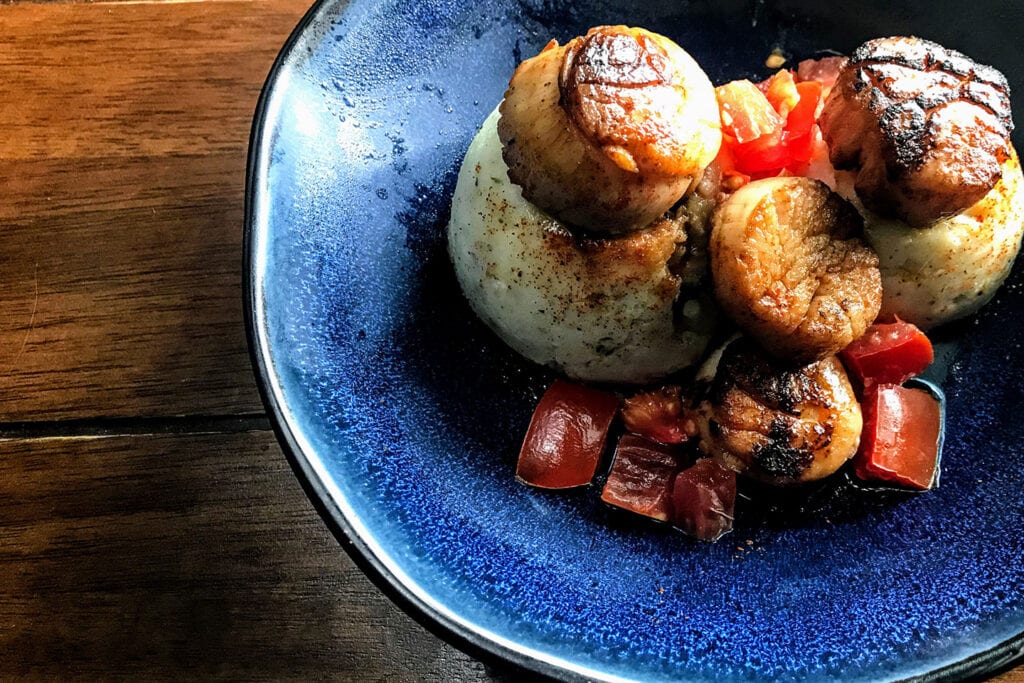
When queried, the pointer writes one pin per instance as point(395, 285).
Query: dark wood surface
point(149, 524)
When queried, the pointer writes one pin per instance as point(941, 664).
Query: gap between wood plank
point(128, 426)
point(102, 3)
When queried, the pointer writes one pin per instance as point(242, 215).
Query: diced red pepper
point(659, 415)
point(888, 353)
point(746, 112)
point(704, 500)
point(642, 476)
point(900, 441)
point(566, 437)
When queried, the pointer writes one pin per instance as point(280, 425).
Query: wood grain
point(123, 137)
point(127, 303)
point(135, 79)
point(163, 556)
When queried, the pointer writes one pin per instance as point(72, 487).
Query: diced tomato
point(732, 178)
point(758, 146)
point(642, 476)
point(900, 441)
point(764, 154)
point(888, 354)
point(800, 149)
point(704, 500)
point(824, 71)
point(566, 437)
point(803, 116)
point(746, 112)
point(658, 415)
point(780, 90)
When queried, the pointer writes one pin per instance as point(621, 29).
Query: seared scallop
point(777, 423)
point(607, 132)
point(622, 308)
point(790, 268)
point(925, 128)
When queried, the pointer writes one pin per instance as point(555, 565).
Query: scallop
point(925, 128)
point(778, 423)
point(607, 132)
point(790, 268)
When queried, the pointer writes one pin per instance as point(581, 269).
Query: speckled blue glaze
point(402, 414)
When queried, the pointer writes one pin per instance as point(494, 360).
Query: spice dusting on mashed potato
point(951, 268)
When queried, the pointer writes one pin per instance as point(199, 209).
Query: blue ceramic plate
point(403, 415)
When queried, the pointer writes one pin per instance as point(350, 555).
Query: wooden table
point(149, 523)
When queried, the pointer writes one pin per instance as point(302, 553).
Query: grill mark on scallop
point(777, 457)
point(926, 128)
point(952, 77)
point(777, 386)
point(778, 423)
point(614, 60)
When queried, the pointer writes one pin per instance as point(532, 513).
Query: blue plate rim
point(472, 641)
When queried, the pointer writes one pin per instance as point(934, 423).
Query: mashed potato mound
point(950, 269)
point(601, 310)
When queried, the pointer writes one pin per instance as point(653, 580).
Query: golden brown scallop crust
point(607, 132)
point(777, 423)
point(926, 128)
point(790, 267)
point(624, 92)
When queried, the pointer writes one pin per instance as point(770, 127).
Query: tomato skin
point(746, 112)
point(732, 178)
point(566, 436)
point(888, 353)
point(762, 155)
point(642, 476)
point(805, 113)
point(658, 415)
point(704, 500)
point(900, 441)
point(799, 133)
